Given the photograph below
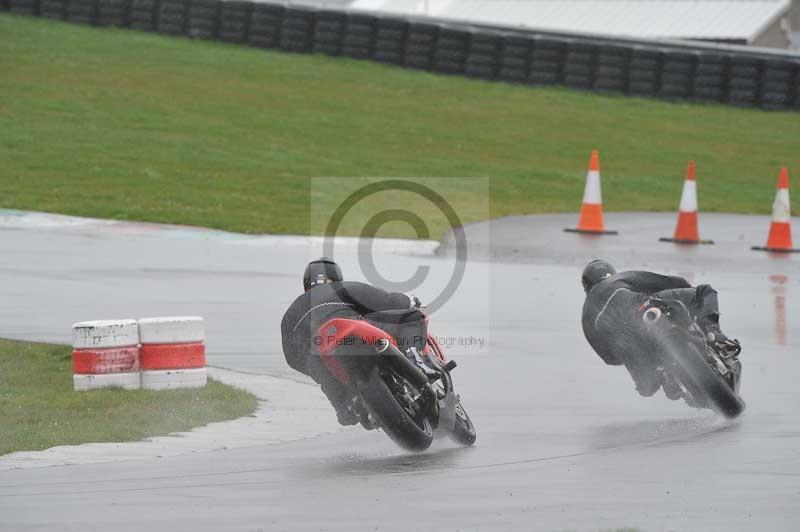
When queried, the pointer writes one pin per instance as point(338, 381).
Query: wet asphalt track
point(564, 441)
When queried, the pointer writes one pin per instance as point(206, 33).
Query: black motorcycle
point(707, 373)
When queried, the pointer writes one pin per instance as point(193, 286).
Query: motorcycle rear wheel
point(706, 383)
point(406, 431)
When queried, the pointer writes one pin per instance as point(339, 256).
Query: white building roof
point(648, 19)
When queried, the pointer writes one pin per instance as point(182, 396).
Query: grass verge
point(127, 125)
point(39, 409)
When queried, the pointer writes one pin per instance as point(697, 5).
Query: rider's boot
point(346, 417)
point(342, 404)
point(647, 381)
point(337, 393)
point(671, 387)
point(362, 414)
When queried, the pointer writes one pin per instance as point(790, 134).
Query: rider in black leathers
point(328, 296)
point(613, 326)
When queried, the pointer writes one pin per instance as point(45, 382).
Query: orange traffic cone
point(780, 232)
point(686, 232)
point(591, 220)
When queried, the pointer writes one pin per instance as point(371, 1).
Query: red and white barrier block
point(173, 352)
point(105, 353)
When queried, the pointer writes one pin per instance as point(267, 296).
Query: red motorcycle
point(407, 394)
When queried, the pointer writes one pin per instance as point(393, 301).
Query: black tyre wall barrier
point(328, 32)
point(452, 47)
point(203, 19)
point(644, 75)
point(795, 90)
point(548, 59)
point(142, 14)
point(81, 11)
point(358, 40)
point(297, 29)
point(24, 7)
point(668, 70)
point(677, 71)
point(483, 55)
point(710, 78)
point(55, 9)
point(579, 64)
point(612, 65)
point(420, 45)
point(234, 23)
point(515, 58)
point(266, 22)
point(172, 16)
point(776, 84)
point(743, 81)
point(390, 40)
point(112, 13)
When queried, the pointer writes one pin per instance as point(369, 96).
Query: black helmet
point(321, 271)
point(594, 272)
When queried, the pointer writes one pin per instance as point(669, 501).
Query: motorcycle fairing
point(335, 332)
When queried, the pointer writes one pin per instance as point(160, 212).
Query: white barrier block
point(172, 330)
point(127, 381)
point(169, 379)
point(105, 333)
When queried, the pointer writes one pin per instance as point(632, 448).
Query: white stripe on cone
point(780, 208)
point(592, 194)
point(689, 197)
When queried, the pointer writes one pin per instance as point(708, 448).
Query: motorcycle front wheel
point(414, 433)
point(706, 383)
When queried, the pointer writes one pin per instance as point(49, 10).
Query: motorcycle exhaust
point(402, 364)
point(382, 345)
point(651, 315)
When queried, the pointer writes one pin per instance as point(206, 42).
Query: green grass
point(39, 409)
point(127, 125)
